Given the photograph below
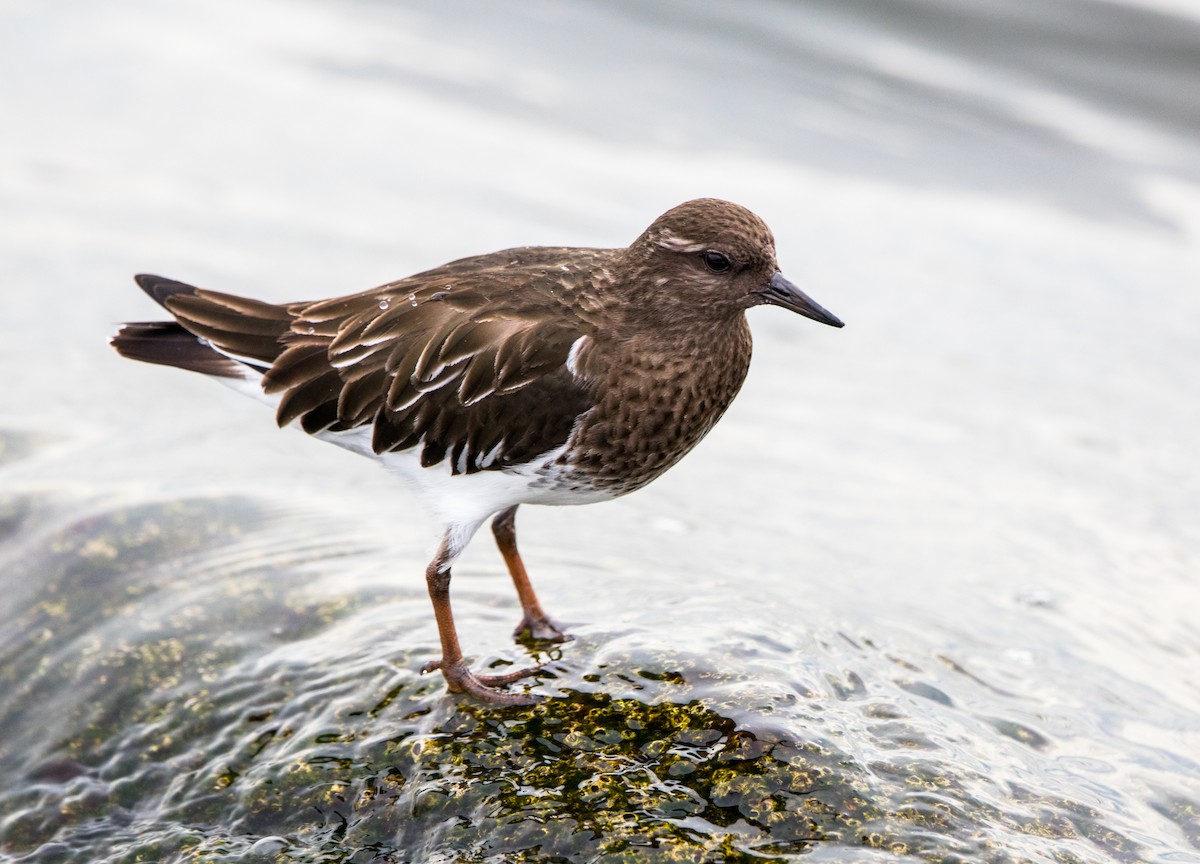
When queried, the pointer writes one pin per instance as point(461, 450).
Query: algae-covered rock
point(180, 684)
point(589, 778)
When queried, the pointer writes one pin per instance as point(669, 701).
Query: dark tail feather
point(168, 344)
point(160, 288)
point(220, 324)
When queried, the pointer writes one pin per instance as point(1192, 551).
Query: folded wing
point(473, 373)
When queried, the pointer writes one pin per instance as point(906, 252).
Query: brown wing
point(469, 360)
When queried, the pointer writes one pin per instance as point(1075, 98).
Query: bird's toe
point(485, 688)
point(541, 629)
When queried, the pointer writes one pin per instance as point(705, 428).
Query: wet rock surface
point(175, 691)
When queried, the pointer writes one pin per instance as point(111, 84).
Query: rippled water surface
point(930, 591)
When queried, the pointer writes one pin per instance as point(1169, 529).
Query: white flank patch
point(466, 499)
point(461, 501)
point(490, 456)
point(573, 355)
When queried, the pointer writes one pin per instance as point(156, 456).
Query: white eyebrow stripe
point(678, 244)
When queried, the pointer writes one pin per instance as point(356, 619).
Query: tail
point(168, 344)
point(215, 334)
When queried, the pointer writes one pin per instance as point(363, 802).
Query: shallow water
point(929, 592)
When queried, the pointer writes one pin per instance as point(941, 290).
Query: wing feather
point(479, 380)
point(468, 362)
point(299, 363)
point(359, 399)
point(309, 396)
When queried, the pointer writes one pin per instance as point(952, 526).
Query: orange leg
point(534, 620)
point(460, 679)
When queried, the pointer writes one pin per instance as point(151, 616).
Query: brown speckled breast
point(658, 396)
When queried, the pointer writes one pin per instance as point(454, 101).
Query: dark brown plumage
point(563, 375)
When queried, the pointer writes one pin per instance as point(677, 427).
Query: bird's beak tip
point(780, 292)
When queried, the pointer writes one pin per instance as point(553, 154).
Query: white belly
point(471, 498)
point(455, 499)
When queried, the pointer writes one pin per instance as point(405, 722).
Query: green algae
point(153, 719)
point(586, 777)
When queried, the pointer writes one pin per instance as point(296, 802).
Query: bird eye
point(716, 261)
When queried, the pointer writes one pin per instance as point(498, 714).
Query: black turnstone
point(538, 375)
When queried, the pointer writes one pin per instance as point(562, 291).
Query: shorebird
point(537, 375)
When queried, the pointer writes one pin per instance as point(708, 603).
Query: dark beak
point(781, 292)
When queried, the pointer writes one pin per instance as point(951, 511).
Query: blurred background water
point(929, 592)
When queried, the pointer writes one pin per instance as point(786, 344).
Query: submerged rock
point(178, 685)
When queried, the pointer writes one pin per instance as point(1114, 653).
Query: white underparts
point(460, 500)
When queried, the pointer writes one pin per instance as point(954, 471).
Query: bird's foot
point(460, 679)
point(540, 627)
